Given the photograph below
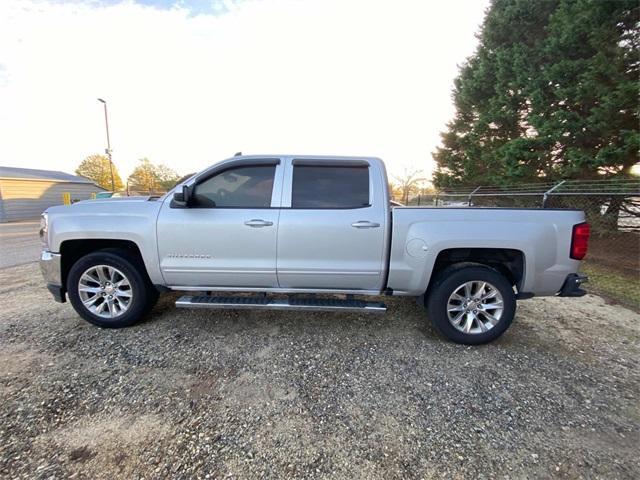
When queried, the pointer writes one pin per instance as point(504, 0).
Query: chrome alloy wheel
point(475, 307)
point(105, 291)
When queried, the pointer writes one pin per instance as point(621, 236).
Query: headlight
point(44, 230)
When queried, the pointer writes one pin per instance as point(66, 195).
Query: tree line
point(550, 93)
point(156, 178)
point(146, 177)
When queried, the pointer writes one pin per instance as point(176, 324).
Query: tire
point(83, 286)
point(489, 319)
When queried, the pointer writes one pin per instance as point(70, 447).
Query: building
point(26, 193)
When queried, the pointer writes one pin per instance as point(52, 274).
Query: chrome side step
point(266, 303)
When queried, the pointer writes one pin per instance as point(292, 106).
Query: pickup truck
point(307, 233)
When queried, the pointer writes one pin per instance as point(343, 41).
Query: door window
point(330, 187)
point(241, 187)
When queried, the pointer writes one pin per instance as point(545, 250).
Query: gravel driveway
point(197, 394)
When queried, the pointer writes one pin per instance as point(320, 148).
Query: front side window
point(241, 187)
point(330, 187)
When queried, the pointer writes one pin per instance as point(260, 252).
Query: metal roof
point(32, 174)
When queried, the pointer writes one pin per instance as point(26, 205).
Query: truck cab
point(279, 223)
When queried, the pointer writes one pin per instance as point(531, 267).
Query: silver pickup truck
point(307, 233)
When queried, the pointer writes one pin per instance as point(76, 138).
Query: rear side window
point(330, 187)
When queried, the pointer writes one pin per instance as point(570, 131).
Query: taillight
point(580, 240)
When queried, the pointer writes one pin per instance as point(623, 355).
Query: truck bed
point(421, 234)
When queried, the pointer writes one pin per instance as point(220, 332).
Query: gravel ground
point(197, 394)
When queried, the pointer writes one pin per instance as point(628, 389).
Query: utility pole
point(108, 149)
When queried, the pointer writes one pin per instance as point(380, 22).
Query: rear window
point(330, 186)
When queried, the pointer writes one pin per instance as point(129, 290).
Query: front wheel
point(471, 304)
point(108, 288)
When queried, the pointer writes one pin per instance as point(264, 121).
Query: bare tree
point(409, 183)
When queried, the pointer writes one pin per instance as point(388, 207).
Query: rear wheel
point(109, 289)
point(471, 304)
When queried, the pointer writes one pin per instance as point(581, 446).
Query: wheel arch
point(73, 250)
point(507, 261)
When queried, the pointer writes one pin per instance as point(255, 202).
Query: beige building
point(26, 193)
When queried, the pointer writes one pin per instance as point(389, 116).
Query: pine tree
point(551, 92)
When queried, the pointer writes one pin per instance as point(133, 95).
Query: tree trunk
point(610, 217)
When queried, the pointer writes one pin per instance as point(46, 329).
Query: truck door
point(332, 226)
point(227, 236)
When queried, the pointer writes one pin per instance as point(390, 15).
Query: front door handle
point(257, 223)
point(365, 224)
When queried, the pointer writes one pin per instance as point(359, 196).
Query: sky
point(191, 82)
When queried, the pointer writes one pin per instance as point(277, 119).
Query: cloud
point(188, 89)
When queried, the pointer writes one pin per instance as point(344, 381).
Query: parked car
point(308, 225)
point(110, 194)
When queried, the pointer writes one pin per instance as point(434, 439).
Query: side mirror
point(182, 199)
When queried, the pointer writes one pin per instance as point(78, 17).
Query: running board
point(265, 303)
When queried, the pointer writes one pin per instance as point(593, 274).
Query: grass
point(609, 282)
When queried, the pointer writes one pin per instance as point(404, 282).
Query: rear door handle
point(365, 224)
point(257, 223)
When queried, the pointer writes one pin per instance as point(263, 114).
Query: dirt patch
point(18, 360)
point(203, 387)
point(81, 454)
point(253, 390)
point(106, 446)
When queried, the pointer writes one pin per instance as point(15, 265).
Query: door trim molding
point(327, 272)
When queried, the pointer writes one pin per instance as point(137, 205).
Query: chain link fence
point(612, 208)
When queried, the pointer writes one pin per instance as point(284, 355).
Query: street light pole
point(108, 150)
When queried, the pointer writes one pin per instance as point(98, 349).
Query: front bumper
point(571, 286)
point(50, 265)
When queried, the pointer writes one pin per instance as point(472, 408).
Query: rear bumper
point(571, 286)
point(50, 265)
